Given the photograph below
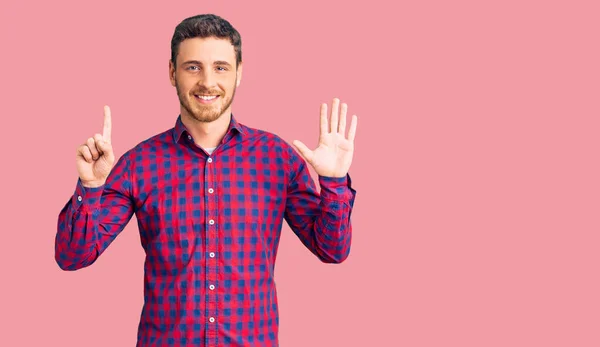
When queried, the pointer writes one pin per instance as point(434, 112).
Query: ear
point(239, 74)
point(172, 73)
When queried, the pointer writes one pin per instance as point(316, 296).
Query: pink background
point(476, 164)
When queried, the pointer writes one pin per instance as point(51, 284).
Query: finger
point(97, 139)
point(342, 127)
point(333, 123)
point(323, 129)
point(85, 153)
point(305, 152)
point(92, 146)
point(106, 133)
point(352, 131)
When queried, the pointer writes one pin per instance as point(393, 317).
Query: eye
point(192, 68)
point(221, 68)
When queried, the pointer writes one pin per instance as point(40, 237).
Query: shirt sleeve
point(92, 219)
point(320, 220)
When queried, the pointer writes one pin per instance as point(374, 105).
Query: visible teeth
point(206, 97)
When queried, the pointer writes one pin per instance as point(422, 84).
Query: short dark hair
point(206, 25)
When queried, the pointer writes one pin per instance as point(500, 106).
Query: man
point(210, 196)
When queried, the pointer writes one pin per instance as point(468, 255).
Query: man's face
point(206, 77)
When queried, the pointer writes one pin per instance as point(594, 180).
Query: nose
point(208, 80)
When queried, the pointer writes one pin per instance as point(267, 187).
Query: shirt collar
point(180, 128)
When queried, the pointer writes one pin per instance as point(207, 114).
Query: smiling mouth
point(206, 99)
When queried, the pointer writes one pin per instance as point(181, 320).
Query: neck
point(207, 134)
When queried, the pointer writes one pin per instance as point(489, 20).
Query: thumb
point(304, 151)
point(107, 149)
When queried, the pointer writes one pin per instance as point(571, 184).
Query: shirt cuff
point(87, 199)
point(337, 188)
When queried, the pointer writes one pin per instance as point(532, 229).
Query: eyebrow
point(196, 62)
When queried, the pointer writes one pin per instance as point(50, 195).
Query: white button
point(211, 222)
point(211, 254)
point(189, 137)
point(210, 190)
point(211, 319)
point(209, 160)
point(211, 287)
point(79, 198)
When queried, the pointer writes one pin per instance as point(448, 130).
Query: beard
point(204, 113)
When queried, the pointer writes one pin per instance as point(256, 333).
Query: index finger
point(107, 124)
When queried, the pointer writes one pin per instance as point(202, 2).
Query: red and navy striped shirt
point(210, 228)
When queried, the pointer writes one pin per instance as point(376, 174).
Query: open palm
point(333, 155)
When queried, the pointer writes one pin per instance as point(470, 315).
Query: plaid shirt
point(210, 228)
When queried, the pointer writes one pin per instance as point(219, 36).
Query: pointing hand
point(95, 158)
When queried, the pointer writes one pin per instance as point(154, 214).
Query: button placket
point(212, 239)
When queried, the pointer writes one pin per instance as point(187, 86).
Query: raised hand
point(333, 155)
point(95, 158)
